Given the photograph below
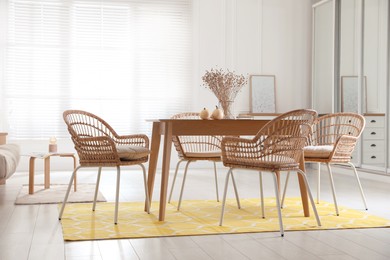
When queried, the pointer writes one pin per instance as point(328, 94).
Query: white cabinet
point(373, 140)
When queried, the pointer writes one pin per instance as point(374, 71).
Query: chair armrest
point(252, 148)
point(100, 148)
point(136, 139)
point(234, 148)
point(276, 149)
point(344, 147)
point(237, 145)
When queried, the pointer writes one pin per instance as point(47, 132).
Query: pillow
point(9, 159)
point(132, 152)
point(318, 151)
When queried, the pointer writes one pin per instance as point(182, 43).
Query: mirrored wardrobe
point(350, 71)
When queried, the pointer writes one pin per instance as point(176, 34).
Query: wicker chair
point(98, 145)
point(333, 141)
point(277, 147)
point(195, 148)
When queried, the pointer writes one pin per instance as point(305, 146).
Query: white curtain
point(124, 60)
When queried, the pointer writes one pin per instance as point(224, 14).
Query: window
point(124, 60)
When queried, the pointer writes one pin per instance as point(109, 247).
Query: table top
point(43, 155)
point(208, 120)
point(212, 127)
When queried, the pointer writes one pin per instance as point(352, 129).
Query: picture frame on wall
point(350, 96)
point(262, 93)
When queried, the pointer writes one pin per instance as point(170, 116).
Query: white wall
point(255, 37)
point(249, 37)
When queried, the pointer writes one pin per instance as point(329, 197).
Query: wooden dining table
point(176, 127)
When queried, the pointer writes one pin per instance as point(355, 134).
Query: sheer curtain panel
point(124, 60)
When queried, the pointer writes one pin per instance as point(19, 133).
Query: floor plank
point(34, 232)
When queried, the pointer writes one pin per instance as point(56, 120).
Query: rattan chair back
point(334, 129)
point(85, 124)
point(195, 144)
point(297, 123)
point(95, 140)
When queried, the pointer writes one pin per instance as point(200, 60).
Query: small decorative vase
point(227, 107)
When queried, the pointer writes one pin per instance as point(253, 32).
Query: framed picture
point(350, 96)
point(262, 93)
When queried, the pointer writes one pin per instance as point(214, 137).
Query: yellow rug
point(202, 218)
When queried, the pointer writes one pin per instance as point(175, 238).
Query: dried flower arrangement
point(225, 86)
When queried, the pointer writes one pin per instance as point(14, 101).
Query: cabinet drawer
point(373, 146)
point(373, 133)
point(375, 121)
point(354, 157)
point(373, 158)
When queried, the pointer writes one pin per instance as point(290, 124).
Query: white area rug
point(56, 194)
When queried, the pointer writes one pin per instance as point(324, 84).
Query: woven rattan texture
point(277, 146)
point(342, 131)
point(96, 141)
point(195, 144)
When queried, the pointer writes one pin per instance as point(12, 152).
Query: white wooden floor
point(34, 232)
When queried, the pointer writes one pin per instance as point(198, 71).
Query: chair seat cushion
point(209, 154)
point(318, 151)
point(268, 162)
point(132, 152)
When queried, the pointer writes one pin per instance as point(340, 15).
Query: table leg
point(154, 147)
point(75, 176)
point(303, 188)
point(165, 169)
point(74, 167)
point(31, 171)
point(47, 172)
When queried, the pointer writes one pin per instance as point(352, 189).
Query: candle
point(53, 145)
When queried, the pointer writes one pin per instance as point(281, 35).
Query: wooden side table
point(46, 158)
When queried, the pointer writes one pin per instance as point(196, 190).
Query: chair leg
point(174, 180)
point(216, 180)
point(277, 173)
point(146, 189)
point(360, 185)
point(118, 181)
point(235, 190)
point(224, 196)
point(277, 198)
point(318, 182)
point(261, 194)
point(310, 197)
point(333, 188)
point(96, 188)
point(67, 192)
point(285, 189)
point(182, 185)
